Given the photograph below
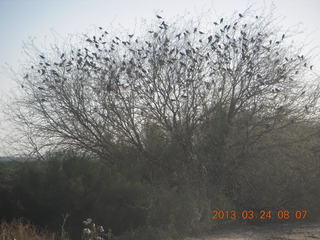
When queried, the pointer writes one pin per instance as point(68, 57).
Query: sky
point(22, 20)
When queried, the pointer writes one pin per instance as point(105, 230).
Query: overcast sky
point(21, 20)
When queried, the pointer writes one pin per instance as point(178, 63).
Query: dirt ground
point(267, 232)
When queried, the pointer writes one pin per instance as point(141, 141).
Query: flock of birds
point(231, 46)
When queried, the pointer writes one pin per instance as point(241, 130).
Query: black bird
point(221, 20)
point(257, 17)
point(130, 35)
point(215, 23)
point(307, 108)
point(41, 56)
point(201, 32)
point(305, 64)
point(40, 88)
point(62, 55)
point(209, 38)
point(283, 36)
point(311, 67)
point(240, 15)
point(100, 28)
point(158, 16)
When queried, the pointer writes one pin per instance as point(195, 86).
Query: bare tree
point(106, 90)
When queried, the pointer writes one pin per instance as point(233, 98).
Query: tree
point(180, 80)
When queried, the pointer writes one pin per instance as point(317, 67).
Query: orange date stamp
point(259, 215)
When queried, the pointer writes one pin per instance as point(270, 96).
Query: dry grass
point(19, 230)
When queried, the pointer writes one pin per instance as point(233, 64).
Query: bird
point(307, 108)
point(130, 35)
point(158, 16)
point(221, 20)
point(283, 36)
point(257, 17)
point(215, 23)
point(240, 15)
point(311, 67)
point(42, 56)
point(209, 38)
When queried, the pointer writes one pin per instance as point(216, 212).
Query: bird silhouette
point(158, 16)
point(221, 20)
point(240, 15)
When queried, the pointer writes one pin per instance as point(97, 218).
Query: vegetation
point(147, 134)
point(22, 231)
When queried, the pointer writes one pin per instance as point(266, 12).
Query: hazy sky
point(21, 20)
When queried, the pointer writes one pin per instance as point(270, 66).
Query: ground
point(298, 231)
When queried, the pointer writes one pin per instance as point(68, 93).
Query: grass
point(20, 230)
